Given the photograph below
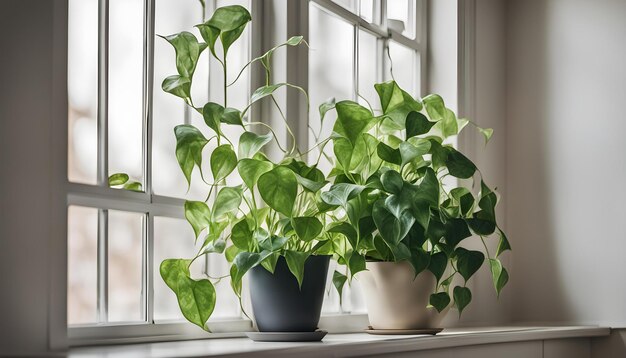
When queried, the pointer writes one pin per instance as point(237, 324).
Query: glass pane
point(82, 272)
point(331, 68)
point(125, 266)
point(82, 83)
point(174, 16)
point(348, 4)
point(125, 87)
point(366, 10)
point(401, 16)
point(369, 60)
point(405, 67)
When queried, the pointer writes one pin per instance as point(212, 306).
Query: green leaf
point(217, 246)
point(438, 264)
point(420, 259)
point(232, 116)
point(356, 263)
point(481, 224)
point(295, 262)
point(439, 300)
point(231, 252)
point(339, 194)
point(462, 297)
point(270, 262)
point(504, 244)
point(227, 201)
point(196, 298)
point(487, 133)
point(346, 230)
point(133, 186)
point(197, 214)
point(468, 262)
point(388, 154)
point(250, 143)
point(352, 120)
point(392, 181)
point(223, 161)
point(241, 235)
point(464, 198)
point(396, 104)
point(409, 152)
point(449, 124)
point(177, 85)
point(435, 106)
point(417, 124)
point(227, 23)
point(188, 50)
point(244, 261)
point(339, 280)
point(279, 188)
point(391, 228)
point(488, 201)
point(307, 227)
point(265, 91)
point(455, 231)
point(310, 185)
point(499, 274)
point(189, 145)
point(212, 114)
point(325, 107)
point(118, 179)
point(458, 165)
point(273, 243)
point(251, 169)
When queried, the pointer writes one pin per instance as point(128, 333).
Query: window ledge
point(341, 345)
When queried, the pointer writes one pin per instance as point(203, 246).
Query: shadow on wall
point(539, 294)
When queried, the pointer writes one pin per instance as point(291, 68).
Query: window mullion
point(103, 158)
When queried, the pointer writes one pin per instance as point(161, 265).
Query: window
point(120, 121)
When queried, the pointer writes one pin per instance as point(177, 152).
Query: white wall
point(566, 166)
point(33, 122)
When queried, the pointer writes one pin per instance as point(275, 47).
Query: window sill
point(341, 345)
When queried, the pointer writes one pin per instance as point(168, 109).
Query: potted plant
point(403, 226)
point(270, 225)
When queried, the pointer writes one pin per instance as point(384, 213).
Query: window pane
point(348, 4)
point(82, 82)
point(369, 68)
point(125, 266)
point(82, 274)
point(401, 16)
point(405, 67)
point(366, 10)
point(174, 16)
point(125, 87)
point(331, 68)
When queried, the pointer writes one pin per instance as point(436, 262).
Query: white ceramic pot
point(395, 300)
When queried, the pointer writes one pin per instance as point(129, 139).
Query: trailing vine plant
point(390, 199)
point(274, 212)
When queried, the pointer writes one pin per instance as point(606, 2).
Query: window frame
point(104, 198)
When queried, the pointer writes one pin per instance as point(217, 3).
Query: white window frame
point(103, 198)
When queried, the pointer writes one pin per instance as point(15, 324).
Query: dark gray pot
point(279, 305)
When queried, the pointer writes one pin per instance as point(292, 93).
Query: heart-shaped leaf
point(241, 234)
point(227, 201)
point(279, 188)
point(251, 169)
point(499, 274)
point(273, 243)
point(439, 300)
point(417, 124)
point(188, 50)
point(196, 298)
point(420, 259)
point(503, 244)
point(223, 161)
point(352, 120)
point(388, 154)
point(435, 106)
point(295, 262)
point(392, 229)
point(339, 280)
point(458, 165)
point(356, 263)
point(250, 143)
point(468, 262)
point(118, 179)
point(177, 85)
point(227, 23)
point(189, 144)
point(392, 181)
point(307, 227)
point(198, 215)
point(325, 107)
point(244, 261)
point(410, 152)
point(462, 297)
point(339, 194)
point(438, 264)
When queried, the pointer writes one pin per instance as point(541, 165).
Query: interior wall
point(566, 167)
point(33, 123)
